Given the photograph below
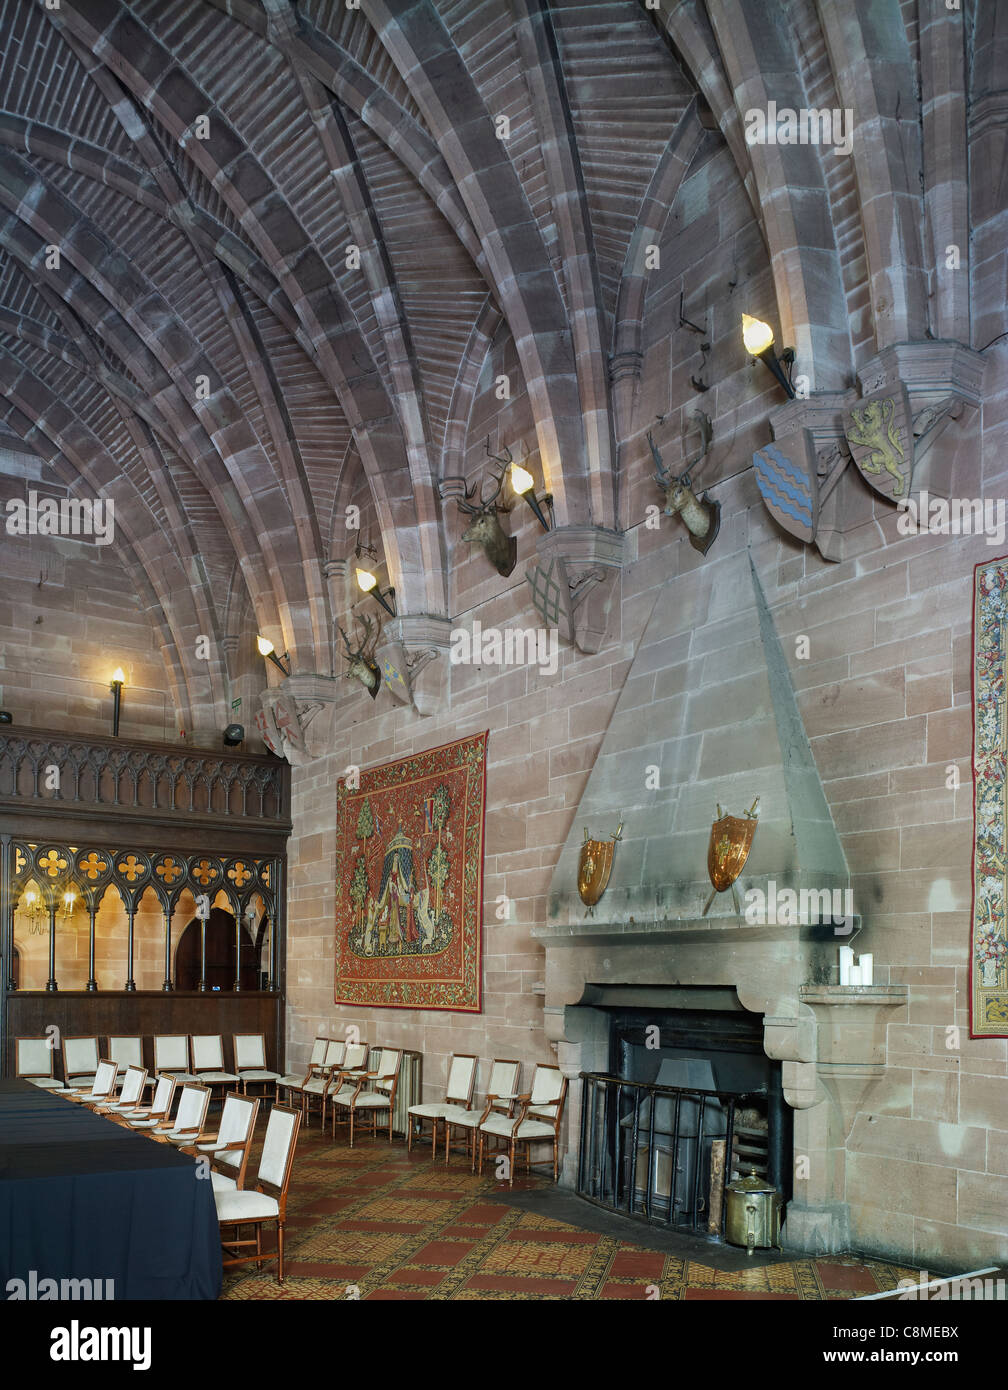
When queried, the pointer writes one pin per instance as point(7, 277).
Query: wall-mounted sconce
point(6, 717)
point(69, 903)
point(31, 909)
point(759, 342)
point(118, 681)
point(267, 649)
point(523, 484)
point(368, 584)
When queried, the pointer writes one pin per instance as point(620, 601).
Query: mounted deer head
point(485, 528)
point(701, 515)
point(362, 666)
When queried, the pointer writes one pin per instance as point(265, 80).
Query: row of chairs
point(226, 1149)
point(187, 1057)
point(338, 1079)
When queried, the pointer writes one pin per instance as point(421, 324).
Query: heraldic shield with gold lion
point(410, 881)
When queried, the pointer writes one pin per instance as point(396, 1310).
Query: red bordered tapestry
point(988, 945)
point(409, 889)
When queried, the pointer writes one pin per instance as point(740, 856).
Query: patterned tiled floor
point(376, 1223)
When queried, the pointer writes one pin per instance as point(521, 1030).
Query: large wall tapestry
point(989, 947)
point(409, 891)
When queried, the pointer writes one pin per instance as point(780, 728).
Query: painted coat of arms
point(786, 474)
point(409, 891)
point(989, 943)
point(880, 437)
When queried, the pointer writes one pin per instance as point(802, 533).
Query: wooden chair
point(458, 1092)
point(232, 1143)
point(294, 1080)
point(189, 1119)
point(250, 1063)
point(265, 1203)
point(101, 1088)
point(80, 1061)
point(128, 1052)
point(171, 1056)
point(208, 1061)
point(130, 1093)
point(343, 1081)
point(150, 1116)
point(34, 1061)
point(316, 1083)
point(537, 1120)
point(503, 1091)
point(379, 1097)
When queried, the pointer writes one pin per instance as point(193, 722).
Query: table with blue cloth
point(84, 1198)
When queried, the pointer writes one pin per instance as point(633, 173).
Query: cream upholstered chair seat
point(80, 1060)
point(384, 1076)
point(256, 1075)
point(171, 1056)
point(501, 1092)
point(245, 1204)
point(527, 1129)
point(130, 1093)
point(457, 1097)
point(250, 1061)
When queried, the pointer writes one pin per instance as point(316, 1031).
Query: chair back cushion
point(335, 1053)
point(207, 1052)
point(128, 1052)
point(356, 1056)
point(133, 1084)
point(249, 1052)
point(388, 1065)
point(278, 1146)
point(34, 1057)
point(80, 1056)
point(104, 1078)
point(171, 1052)
point(192, 1107)
point(547, 1083)
point(461, 1075)
point(235, 1119)
point(318, 1051)
point(504, 1079)
point(162, 1094)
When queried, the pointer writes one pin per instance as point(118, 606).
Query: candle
point(855, 975)
point(866, 969)
point(846, 961)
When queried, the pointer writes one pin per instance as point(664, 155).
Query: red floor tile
point(643, 1263)
point(532, 1288)
point(855, 1278)
point(442, 1252)
point(408, 1275)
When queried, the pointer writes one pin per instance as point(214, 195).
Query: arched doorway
point(220, 954)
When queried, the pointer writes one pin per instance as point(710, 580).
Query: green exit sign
point(236, 704)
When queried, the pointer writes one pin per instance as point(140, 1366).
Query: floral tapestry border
point(988, 944)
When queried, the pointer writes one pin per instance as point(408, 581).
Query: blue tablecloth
point(83, 1198)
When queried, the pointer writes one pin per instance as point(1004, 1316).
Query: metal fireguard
point(672, 1127)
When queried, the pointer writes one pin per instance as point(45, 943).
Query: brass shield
point(731, 840)
point(594, 868)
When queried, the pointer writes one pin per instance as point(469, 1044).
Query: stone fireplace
point(697, 726)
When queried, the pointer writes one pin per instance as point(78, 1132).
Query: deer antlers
point(486, 504)
point(362, 653)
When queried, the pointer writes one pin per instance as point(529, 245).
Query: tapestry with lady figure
point(409, 888)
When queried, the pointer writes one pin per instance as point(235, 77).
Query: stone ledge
point(854, 994)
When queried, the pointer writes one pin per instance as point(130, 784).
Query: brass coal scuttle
point(753, 1210)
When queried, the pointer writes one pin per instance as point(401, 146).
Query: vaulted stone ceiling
point(208, 351)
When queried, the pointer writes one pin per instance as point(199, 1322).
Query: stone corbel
point(295, 718)
point(841, 505)
point(944, 382)
point(413, 659)
point(573, 582)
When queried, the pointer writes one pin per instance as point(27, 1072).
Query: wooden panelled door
point(220, 955)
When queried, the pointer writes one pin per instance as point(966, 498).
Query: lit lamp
point(118, 681)
point(31, 906)
point(267, 649)
point(523, 484)
point(368, 584)
point(69, 901)
point(758, 339)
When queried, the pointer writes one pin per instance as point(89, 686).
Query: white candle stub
point(846, 961)
point(855, 975)
point(865, 962)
